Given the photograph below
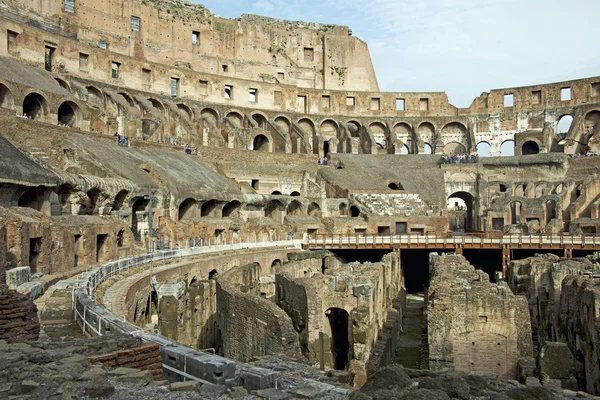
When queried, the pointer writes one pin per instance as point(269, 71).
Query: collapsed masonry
point(564, 298)
point(474, 325)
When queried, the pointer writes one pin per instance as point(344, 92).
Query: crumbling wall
point(473, 325)
point(18, 317)
point(2, 252)
point(250, 326)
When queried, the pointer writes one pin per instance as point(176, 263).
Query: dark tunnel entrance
point(340, 344)
point(415, 269)
point(487, 260)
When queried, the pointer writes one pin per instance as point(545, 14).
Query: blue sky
point(461, 47)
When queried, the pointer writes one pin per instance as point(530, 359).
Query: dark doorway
point(49, 58)
point(33, 198)
point(354, 212)
point(208, 208)
point(138, 207)
point(35, 248)
point(340, 345)
point(34, 106)
point(465, 215)
point(401, 228)
point(67, 114)
point(76, 246)
point(530, 147)
point(100, 247)
point(326, 148)
point(261, 143)
point(415, 269)
point(488, 260)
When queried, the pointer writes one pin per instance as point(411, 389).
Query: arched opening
point(591, 122)
point(460, 211)
point(284, 123)
point(276, 193)
point(34, 106)
point(578, 191)
point(454, 149)
point(564, 125)
point(427, 149)
point(520, 190)
point(395, 186)
point(261, 143)
point(157, 104)
point(63, 84)
point(550, 210)
point(314, 210)
point(119, 200)
point(6, 98)
point(235, 119)
point(515, 212)
point(90, 207)
point(274, 265)
point(210, 115)
point(507, 148)
point(295, 194)
point(294, 208)
point(231, 209)
point(427, 132)
point(483, 149)
point(340, 343)
point(353, 128)
point(354, 212)
point(404, 133)
point(379, 132)
point(185, 110)
point(530, 147)
point(326, 148)
point(208, 208)
point(129, 99)
point(68, 114)
point(261, 121)
point(33, 198)
point(94, 97)
point(187, 209)
point(404, 150)
point(343, 208)
point(212, 275)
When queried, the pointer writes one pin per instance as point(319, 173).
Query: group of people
point(25, 116)
point(121, 140)
point(460, 159)
point(588, 154)
point(323, 160)
point(190, 150)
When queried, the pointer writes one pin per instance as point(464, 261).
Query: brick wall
point(2, 252)
point(18, 317)
point(144, 358)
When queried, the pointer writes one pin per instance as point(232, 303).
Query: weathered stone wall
point(473, 325)
point(18, 317)
point(250, 326)
point(2, 251)
point(145, 358)
point(316, 295)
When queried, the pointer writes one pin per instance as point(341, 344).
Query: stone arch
point(550, 210)
point(379, 131)
point(454, 149)
point(427, 148)
point(353, 128)
point(483, 149)
point(261, 143)
point(427, 132)
point(274, 265)
point(328, 129)
point(187, 111)
point(564, 124)
point(354, 212)
point(232, 209)
point(210, 115)
point(235, 118)
point(35, 106)
point(404, 150)
point(274, 209)
point(208, 208)
point(294, 208)
point(139, 206)
point(284, 123)
point(69, 114)
point(404, 133)
point(187, 209)
point(95, 98)
point(455, 132)
point(540, 189)
point(120, 200)
point(468, 198)
point(260, 119)
point(591, 121)
point(128, 98)
point(515, 212)
point(314, 210)
point(507, 148)
point(295, 193)
point(33, 198)
point(63, 84)
point(343, 208)
point(6, 97)
point(530, 147)
point(157, 104)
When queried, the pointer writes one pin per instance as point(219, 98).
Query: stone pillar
point(168, 308)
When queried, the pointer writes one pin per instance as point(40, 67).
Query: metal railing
point(482, 239)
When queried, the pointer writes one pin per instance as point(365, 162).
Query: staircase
point(408, 348)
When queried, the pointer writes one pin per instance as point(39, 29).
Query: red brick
point(124, 360)
point(153, 367)
point(125, 353)
point(148, 347)
point(102, 358)
point(109, 363)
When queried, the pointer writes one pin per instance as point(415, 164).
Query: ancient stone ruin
point(190, 203)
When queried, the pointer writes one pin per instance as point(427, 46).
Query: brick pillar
point(2, 254)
